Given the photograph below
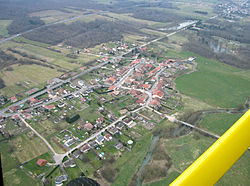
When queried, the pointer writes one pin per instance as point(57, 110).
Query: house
point(113, 130)
point(99, 120)
point(49, 107)
point(146, 86)
point(110, 80)
point(13, 99)
point(76, 154)
point(85, 148)
point(158, 94)
point(152, 72)
point(60, 105)
point(99, 140)
point(154, 103)
point(88, 126)
point(113, 87)
point(140, 101)
point(32, 91)
point(32, 100)
point(81, 83)
point(93, 144)
point(41, 162)
point(14, 108)
point(120, 125)
point(72, 86)
point(69, 163)
point(69, 142)
point(108, 137)
point(60, 179)
point(118, 146)
point(116, 93)
point(37, 102)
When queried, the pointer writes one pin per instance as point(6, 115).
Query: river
point(176, 133)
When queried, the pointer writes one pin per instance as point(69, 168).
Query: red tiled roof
point(159, 93)
point(88, 126)
point(113, 87)
point(41, 162)
point(107, 136)
point(13, 98)
point(146, 86)
point(49, 107)
point(140, 101)
point(32, 99)
point(154, 102)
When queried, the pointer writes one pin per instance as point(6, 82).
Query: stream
point(174, 133)
point(177, 133)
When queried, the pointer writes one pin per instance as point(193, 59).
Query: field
point(129, 161)
point(184, 150)
point(27, 147)
point(12, 174)
point(219, 123)
point(36, 169)
point(215, 83)
point(238, 174)
point(3, 27)
point(50, 16)
point(193, 104)
point(166, 181)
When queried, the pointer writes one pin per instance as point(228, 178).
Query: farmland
point(215, 83)
point(219, 123)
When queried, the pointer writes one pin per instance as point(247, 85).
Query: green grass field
point(36, 169)
point(129, 161)
point(12, 174)
point(184, 150)
point(238, 174)
point(215, 83)
point(28, 147)
point(3, 27)
point(166, 181)
point(219, 123)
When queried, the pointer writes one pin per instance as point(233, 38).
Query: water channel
point(177, 132)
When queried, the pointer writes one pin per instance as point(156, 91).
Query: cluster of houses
point(147, 76)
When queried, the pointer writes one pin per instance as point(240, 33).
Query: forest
point(199, 45)
point(82, 34)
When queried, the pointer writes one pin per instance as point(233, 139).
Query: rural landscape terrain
point(119, 92)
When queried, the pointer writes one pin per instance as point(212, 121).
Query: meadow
point(184, 150)
point(215, 83)
point(3, 27)
point(219, 123)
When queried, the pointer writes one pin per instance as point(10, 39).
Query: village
point(102, 112)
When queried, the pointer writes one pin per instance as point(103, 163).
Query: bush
point(109, 173)
point(73, 119)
